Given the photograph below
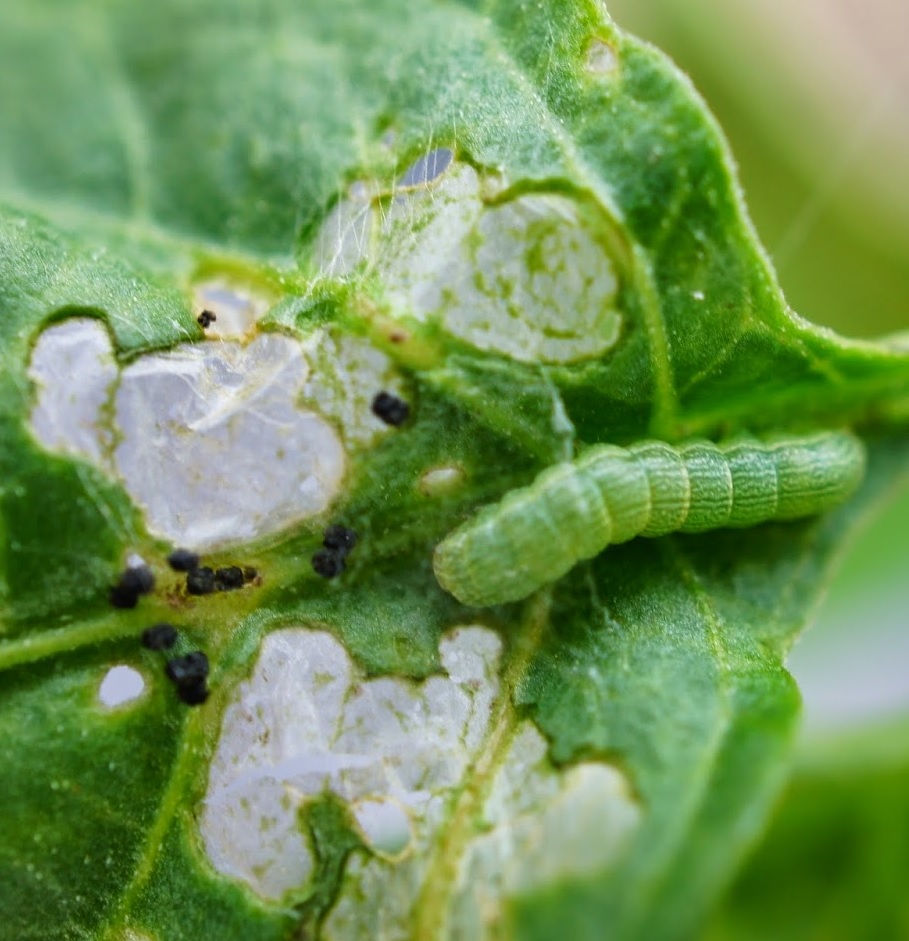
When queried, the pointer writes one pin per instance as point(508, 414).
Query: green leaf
point(833, 861)
point(524, 224)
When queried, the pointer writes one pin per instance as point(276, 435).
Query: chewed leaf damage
point(218, 443)
point(396, 752)
point(532, 276)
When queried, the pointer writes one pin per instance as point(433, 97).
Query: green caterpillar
point(573, 511)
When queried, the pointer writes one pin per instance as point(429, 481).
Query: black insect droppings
point(182, 560)
point(122, 597)
point(228, 578)
point(391, 409)
point(140, 578)
point(133, 582)
point(188, 674)
point(159, 637)
point(206, 319)
point(328, 563)
point(200, 581)
point(339, 539)
point(190, 668)
point(338, 542)
point(193, 695)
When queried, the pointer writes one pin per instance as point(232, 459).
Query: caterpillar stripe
point(608, 495)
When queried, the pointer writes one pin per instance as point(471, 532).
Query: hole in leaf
point(121, 684)
point(428, 168)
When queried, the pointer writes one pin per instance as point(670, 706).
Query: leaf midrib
point(447, 851)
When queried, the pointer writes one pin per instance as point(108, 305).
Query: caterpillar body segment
point(609, 495)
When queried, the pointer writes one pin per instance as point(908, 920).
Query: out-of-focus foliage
point(834, 864)
point(812, 96)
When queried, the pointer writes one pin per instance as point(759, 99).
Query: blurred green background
point(814, 98)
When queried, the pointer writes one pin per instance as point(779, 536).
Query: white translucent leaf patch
point(347, 372)
point(219, 442)
point(74, 370)
point(344, 238)
point(214, 447)
point(236, 312)
point(398, 753)
point(540, 828)
point(601, 58)
point(528, 277)
point(438, 481)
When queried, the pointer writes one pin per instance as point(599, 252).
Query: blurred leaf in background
point(834, 864)
point(812, 96)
